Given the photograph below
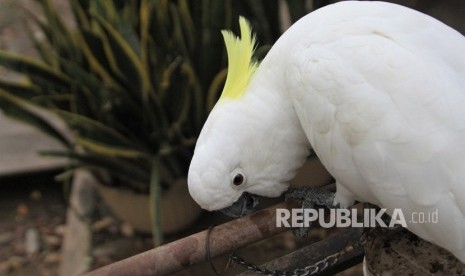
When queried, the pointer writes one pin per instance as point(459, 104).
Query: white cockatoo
point(377, 90)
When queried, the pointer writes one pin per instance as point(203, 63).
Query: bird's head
point(249, 145)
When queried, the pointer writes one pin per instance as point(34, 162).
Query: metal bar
point(348, 242)
point(190, 250)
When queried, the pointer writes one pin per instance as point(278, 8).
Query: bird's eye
point(238, 179)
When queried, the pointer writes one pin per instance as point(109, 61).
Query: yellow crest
point(241, 66)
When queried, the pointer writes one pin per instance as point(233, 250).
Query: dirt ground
point(31, 226)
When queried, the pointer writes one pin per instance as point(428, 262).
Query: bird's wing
point(381, 97)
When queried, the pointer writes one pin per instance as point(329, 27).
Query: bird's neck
point(276, 111)
point(268, 88)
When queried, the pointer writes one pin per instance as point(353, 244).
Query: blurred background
point(100, 106)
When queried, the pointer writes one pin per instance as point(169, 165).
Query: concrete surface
point(19, 146)
point(19, 143)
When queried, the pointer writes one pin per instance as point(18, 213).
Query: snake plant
point(134, 80)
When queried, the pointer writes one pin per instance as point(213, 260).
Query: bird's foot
point(310, 198)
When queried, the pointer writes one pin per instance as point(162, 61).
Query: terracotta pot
point(178, 209)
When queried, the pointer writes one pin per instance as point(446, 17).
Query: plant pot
point(178, 209)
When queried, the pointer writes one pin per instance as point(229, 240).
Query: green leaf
point(87, 89)
point(61, 101)
point(146, 8)
point(160, 27)
point(188, 24)
point(127, 61)
point(107, 9)
point(108, 150)
point(21, 90)
point(92, 129)
point(55, 21)
point(32, 67)
point(58, 35)
point(78, 8)
point(19, 109)
point(178, 32)
point(133, 72)
point(42, 48)
point(93, 50)
point(118, 167)
point(131, 37)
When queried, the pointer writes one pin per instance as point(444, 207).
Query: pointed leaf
point(188, 24)
point(127, 60)
point(115, 166)
point(108, 150)
point(93, 50)
point(93, 129)
point(29, 66)
point(21, 90)
point(18, 109)
point(78, 10)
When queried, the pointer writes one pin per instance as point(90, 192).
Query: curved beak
point(242, 207)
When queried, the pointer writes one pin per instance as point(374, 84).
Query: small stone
point(52, 241)
point(31, 241)
point(18, 248)
point(16, 262)
point(127, 230)
point(114, 229)
point(36, 195)
point(6, 238)
point(102, 224)
point(22, 210)
point(4, 267)
point(52, 258)
point(60, 230)
point(45, 272)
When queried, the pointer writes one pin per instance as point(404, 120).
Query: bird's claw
point(310, 197)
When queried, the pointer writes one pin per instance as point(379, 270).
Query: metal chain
point(312, 269)
point(305, 271)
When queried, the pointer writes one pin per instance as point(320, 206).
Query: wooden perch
point(190, 250)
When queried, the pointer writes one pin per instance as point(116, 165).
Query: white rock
point(32, 241)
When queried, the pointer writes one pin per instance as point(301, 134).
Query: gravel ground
point(31, 226)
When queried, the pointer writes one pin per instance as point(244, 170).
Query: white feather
point(258, 134)
point(380, 92)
